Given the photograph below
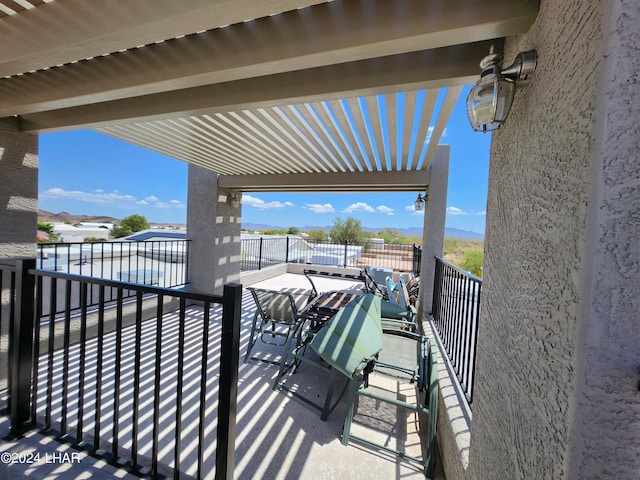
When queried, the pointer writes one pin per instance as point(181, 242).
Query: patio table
point(327, 304)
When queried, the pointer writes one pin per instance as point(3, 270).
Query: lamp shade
point(489, 102)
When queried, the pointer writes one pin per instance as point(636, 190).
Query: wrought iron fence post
point(260, 254)
point(346, 243)
point(21, 338)
point(228, 384)
point(286, 259)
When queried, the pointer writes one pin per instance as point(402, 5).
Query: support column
point(213, 226)
point(18, 191)
point(434, 224)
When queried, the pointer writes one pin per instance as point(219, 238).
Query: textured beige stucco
point(213, 227)
point(434, 223)
point(559, 348)
point(606, 420)
point(18, 191)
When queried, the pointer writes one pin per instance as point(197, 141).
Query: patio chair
point(398, 312)
point(395, 316)
point(413, 287)
point(274, 321)
point(407, 358)
point(392, 291)
point(346, 344)
point(404, 299)
point(355, 344)
point(309, 274)
point(371, 286)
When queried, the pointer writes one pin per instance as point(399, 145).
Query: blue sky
point(84, 172)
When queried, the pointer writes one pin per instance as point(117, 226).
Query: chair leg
point(326, 409)
point(351, 401)
point(293, 333)
point(252, 337)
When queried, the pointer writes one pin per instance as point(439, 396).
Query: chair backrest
point(371, 286)
point(391, 290)
point(403, 293)
point(413, 286)
point(274, 306)
point(353, 337)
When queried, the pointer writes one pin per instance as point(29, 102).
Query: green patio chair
point(371, 286)
point(397, 317)
point(274, 321)
point(347, 343)
point(408, 358)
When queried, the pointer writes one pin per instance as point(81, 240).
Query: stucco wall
point(213, 227)
point(561, 254)
point(606, 420)
point(18, 191)
point(434, 223)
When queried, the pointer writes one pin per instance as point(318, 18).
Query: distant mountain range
point(64, 217)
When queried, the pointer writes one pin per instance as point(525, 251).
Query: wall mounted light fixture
point(420, 201)
point(233, 200)
point(489, 101)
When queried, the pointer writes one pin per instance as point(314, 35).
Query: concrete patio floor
point(277, 436)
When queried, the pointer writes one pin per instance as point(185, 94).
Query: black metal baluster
point(156, 383)
point(228, 384)
point(117, 369)
point(99, 353)
point(36, 349)
point(468, 319)
point(203, 388)
point(286, 258)
point(180, 375)
point(65, 358)
point(82, 358)
point(53, 306)
point(136, 381)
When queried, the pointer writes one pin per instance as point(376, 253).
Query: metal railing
point(164, 263)
point(456, 309)
point(258, 253)
point(7, 311)
point(127, 383)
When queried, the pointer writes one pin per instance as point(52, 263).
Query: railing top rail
point(459, 270)
point(8, 267)
point(130, 286)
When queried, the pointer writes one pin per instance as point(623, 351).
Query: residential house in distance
point(78, 232)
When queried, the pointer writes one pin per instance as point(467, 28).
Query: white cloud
point(484, 212)
point(455, 211)
point(261, 204)
point(359, 207)
point(320, 208)
point(385, 209)
point(80, 196)
point(101, 197)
